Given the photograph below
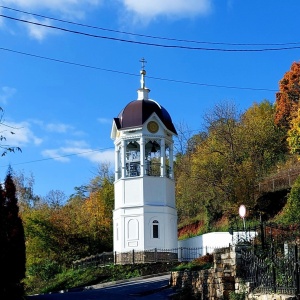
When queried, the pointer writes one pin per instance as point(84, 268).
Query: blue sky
point(60, 90)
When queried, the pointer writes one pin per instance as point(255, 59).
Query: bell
point(132, 146)
point(153, 149)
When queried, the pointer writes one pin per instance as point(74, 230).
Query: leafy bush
point(202, 263)
point(71, 278)
point(45, 270)
point(291, 212)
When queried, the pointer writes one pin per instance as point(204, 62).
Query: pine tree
point(3, 240)
point(13, 257)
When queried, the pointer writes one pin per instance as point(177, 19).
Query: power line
point(59, 156)
point(136, 75)
point(66, 62)
point(147, 36)
point(147, 43)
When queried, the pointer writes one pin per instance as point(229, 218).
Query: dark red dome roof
point(137, 112)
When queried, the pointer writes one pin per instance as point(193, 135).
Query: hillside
point(271, 199)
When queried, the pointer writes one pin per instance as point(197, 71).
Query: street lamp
point(242, 213)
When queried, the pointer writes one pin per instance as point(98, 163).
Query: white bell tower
point(144, 215)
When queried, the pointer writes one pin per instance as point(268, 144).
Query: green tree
point(291, 211)
point(14, 257)
point(25, 190)
point(3, 146)
point(261, 148)
point(263, 141)
point(3, 240)
point(293, 135)
point(223, 167)
point(59, 232)
point(186, 188)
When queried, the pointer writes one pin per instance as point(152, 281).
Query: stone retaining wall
point(217, 282)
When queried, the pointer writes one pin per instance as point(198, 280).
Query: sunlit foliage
point(287, 99)
point(59, 232)
point(226, 162)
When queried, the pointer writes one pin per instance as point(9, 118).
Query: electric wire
point(135, 75)
point(59, 156)
point(141, 43)
point(144, 35)
point(147, 43)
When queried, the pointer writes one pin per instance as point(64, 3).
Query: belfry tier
point(143, 134)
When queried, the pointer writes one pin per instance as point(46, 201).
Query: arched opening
point(133, 160)
point(155, 229)
point(152, 159)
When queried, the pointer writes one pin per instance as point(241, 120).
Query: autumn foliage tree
point(60, 232)
point(226, 164)
point(12, 245)
point(287, 99)
point(291, 212)
point(293, 134)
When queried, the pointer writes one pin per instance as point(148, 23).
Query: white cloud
point(6, 93)
point(19, 134)
point(107, 156)
point(68, 9)
point(105, 121)
point(80, 149)
point(58, 127)
point(36, 31)
point(55, 154)
point(149, 9)
point(77, 144)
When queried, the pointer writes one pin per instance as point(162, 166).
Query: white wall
point(210, 241)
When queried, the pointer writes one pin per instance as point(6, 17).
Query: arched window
point(155, 230)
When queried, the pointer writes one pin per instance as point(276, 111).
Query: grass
point(76, 278)
point(202, 263)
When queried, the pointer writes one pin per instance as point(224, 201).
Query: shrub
point(201, 263)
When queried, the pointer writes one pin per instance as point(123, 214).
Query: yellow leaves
point(95, 211)
point(223, 168)
point(293, 134)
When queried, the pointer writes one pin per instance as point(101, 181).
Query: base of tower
point(147, 256)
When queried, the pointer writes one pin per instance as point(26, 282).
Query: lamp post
point(242, 213)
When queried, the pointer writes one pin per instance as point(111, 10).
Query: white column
point(123, 158)
point(171, 160)
point(162, 158)
point(117, 162)
point(142, 155)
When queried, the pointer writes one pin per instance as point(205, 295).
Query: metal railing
point(181, 254)
point(274, 271)
point(270, 260)
point(133, 169)
point(102, 259)
point(279, 182)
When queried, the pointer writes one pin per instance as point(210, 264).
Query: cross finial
point(143, 61)
point(143, 72)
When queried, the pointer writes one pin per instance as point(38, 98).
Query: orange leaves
point(287, 99)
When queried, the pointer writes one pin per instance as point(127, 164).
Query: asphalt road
point(144, 289)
